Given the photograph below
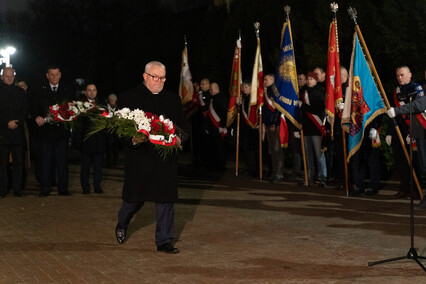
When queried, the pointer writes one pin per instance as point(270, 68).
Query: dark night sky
point(101, 46)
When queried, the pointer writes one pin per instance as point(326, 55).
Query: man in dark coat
point(216, 128)
point(52, 139)
point(14, 104)
point(92, 148)
point(147, 176)
point(407, 89)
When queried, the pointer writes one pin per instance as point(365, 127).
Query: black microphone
point(404, 96)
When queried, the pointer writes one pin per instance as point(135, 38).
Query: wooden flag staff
point(259, 123)
point(334, 8)
point(237, 152)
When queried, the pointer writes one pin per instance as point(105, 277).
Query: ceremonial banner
point(256, 93)
point(286, 79)
point(234, 90)
point(362, 102)
point(186, 89)
point(333, 80)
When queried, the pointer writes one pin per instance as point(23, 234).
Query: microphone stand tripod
point(412, 252)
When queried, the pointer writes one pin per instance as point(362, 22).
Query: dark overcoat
point(41, 101)
point(14, 106)
point(147, 176)
point(94, 144)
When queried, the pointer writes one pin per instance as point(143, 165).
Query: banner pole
point(237, 151)
point(260, 144)
point(302, 141)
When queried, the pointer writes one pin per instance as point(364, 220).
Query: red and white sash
point(216, 120)
point(421, 117)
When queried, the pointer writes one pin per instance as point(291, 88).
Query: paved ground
point(229, 230)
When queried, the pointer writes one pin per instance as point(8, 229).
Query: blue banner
point(366, 103)
point(286, 92)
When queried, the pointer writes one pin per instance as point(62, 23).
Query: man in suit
point(92, 148)
point(14, 104)
point(52, 138)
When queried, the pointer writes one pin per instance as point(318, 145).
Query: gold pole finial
point(256, 28)
point(287, 10)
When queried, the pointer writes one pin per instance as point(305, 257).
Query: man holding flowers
point(52, 139)
point(148, 176)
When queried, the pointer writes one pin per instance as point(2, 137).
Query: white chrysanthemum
point(124, 113)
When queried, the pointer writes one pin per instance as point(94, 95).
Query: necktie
point(54, 89)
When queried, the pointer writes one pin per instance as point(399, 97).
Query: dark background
point(109, 42)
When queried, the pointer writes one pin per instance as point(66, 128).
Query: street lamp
point(6, 55)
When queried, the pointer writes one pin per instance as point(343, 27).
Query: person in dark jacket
point(14, 104)
point(313, 112)
point(271, 122)
point(216, 128)
point(147, 176)
point(52, 138)
point(92, 148)
point(407, 88)
point(400, 111)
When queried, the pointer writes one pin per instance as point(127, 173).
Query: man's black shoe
point(422, 204)
point(18, 194)
point(98, 190)
point(322, 184)
point(120, 234)
point(356, 192)
point(65, 193)
point(276, 179)
point(370, 192)
point(42, 194)
point(168, 248)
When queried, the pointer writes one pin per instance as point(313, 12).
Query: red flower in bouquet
point(155, 126)
point(69, 111)
point(64, 112)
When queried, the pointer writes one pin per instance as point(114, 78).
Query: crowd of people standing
point(325, 161)
point(27, 133)
point(49, 142)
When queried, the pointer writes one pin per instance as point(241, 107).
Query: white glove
point(340, 106)
point(391, 112)
point(298, 103)
point(373, 133)
point(296, 134)
point(408, 139)
point(388, 139)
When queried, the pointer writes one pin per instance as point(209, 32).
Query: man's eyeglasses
point(156, 78)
